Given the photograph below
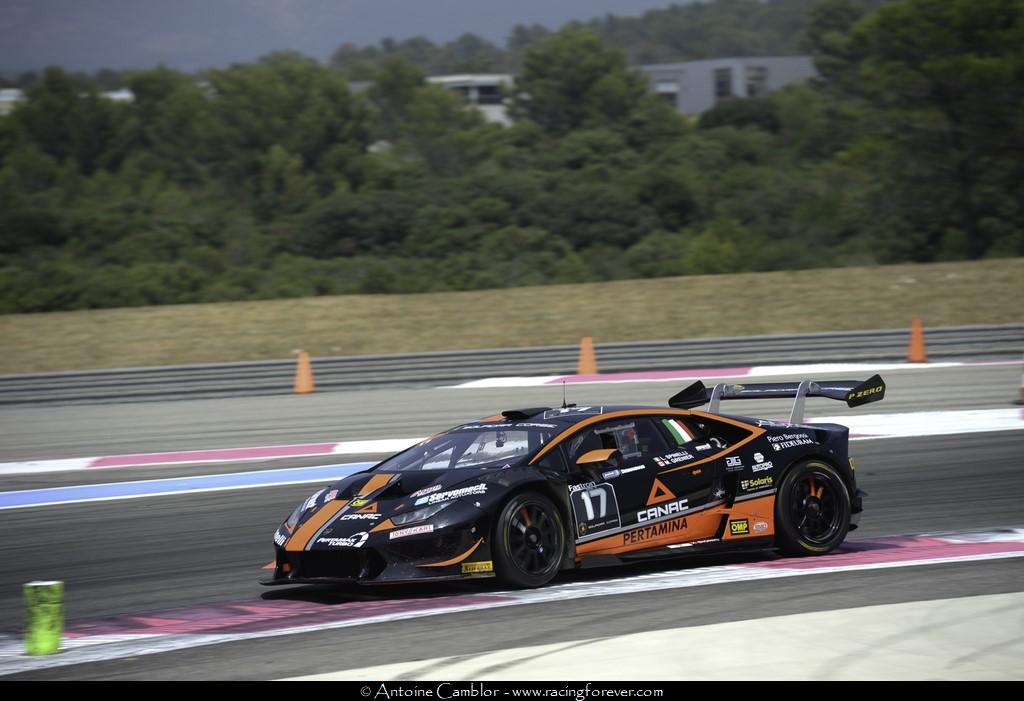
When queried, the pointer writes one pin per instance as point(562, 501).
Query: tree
point(945, 82)
point(69, 125)
point(394, 89)
point(571, 80)
point(827, 39)
point(292, 101)
point(447, 135)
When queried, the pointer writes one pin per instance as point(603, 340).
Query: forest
point(277, 179)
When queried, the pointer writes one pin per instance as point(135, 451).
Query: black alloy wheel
point(529, 541)
point(812, 509)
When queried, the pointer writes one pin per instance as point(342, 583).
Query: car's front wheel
point(812, 509)
point(529, 541)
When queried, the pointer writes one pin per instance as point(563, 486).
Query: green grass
point(941, 294)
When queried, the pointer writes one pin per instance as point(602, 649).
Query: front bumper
point(455, 555)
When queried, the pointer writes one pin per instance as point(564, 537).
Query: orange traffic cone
point(303, 374)
point(916, 353)
point(588, 362)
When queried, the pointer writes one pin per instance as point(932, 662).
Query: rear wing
point(850, 391)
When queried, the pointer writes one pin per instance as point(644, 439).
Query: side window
point(677, 431)
point(439, 461)
point(553, 461)
point(636, 438)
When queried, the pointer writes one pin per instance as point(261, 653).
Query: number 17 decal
point(596, 510)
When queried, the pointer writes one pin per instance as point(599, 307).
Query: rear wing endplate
point(850, 391)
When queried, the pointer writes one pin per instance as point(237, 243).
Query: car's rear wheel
point(529, 541)
point(812, 509)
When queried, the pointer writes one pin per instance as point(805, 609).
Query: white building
point(9, 97)
point(693, 87)
point(484, 90)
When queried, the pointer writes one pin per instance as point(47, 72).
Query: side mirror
point(599, 458)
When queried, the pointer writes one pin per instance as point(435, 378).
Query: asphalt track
point(148, 555)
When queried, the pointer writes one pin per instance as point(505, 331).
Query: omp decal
point(739, 527)
point(457, 559)
point(311, 528)
point(111, 638)
point(659, 493)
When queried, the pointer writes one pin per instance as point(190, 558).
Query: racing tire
point(812, 509)
point(529, 541)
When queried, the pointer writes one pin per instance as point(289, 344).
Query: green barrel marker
point(44, 617)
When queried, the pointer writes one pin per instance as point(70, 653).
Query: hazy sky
point(194, 34)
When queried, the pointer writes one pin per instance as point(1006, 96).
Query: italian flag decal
point(678, 431)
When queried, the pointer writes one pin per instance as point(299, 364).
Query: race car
point(526, 493)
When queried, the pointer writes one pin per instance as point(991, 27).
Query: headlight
point(294, 518)
point(303, 508)
point(420, 514)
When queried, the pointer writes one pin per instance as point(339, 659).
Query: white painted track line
point(863, 426)
point(972, 638)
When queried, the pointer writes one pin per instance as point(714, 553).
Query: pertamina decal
point(653, 531)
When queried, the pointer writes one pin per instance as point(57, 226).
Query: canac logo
point(660, 511)
point(360, 517)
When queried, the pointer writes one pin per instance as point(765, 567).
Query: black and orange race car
point(529, 492)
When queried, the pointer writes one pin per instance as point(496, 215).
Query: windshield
point(474, 445)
